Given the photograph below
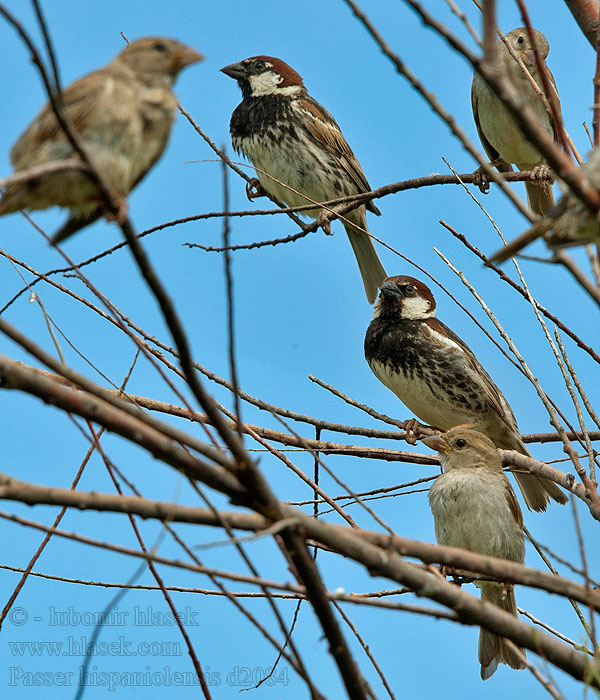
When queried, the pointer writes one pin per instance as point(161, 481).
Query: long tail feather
point(493, 649)
point(369, 264)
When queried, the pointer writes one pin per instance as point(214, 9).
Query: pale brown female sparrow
point(474, 507)
point(123, 115)
point(500, 136)
point(290, 137)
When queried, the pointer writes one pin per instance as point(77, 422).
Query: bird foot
point(542, 175)
point(120, 214)
point(324, 222)
point(254, 189)
point(414, 430)
point(480, 180)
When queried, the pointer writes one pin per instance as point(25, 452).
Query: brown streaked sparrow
point(474, 507)
point(500, 135)
point(123, 115)
point(435, 374)
point(298, 149)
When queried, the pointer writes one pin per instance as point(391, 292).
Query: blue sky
point(300, 310)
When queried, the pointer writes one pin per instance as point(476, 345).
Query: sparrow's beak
point(437, 443)
point(528, 58)
point(185, 57)
point(389, 288)
point(235, 70)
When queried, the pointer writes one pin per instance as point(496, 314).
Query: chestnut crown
point(258, 76)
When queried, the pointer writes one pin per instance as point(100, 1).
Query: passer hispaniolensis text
point(123, 115)
point(474, 507)
point(290, 137)
point(500, 135)
point(433, 372)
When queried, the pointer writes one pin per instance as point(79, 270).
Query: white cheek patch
point(265, 83)
point(414, 308)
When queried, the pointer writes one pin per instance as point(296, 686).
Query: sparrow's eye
point(461, 442)
point(259, 66)
point(159, 46)
point(409, 290)
point(521, 40)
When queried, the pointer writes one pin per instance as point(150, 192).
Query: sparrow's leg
point(540, 174)
point(480, 179)
point(414, 430)
point(324, 222)
point(254, 189)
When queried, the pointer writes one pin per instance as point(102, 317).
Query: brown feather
point(491, 152)
point(492, 394)
point(289, 75)
point(513, 504)
point(325, 131)
point(123, 115)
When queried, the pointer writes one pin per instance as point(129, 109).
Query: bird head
point(522, 46)
point(155, 57)
point(463, 447)
point(405, 297)
point(264, 75)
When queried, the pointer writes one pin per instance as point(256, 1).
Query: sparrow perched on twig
point(123, 115)
point(569, 223)
point(500, 136)
point(298, 149)
point(435, 374)
point(474, 507)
